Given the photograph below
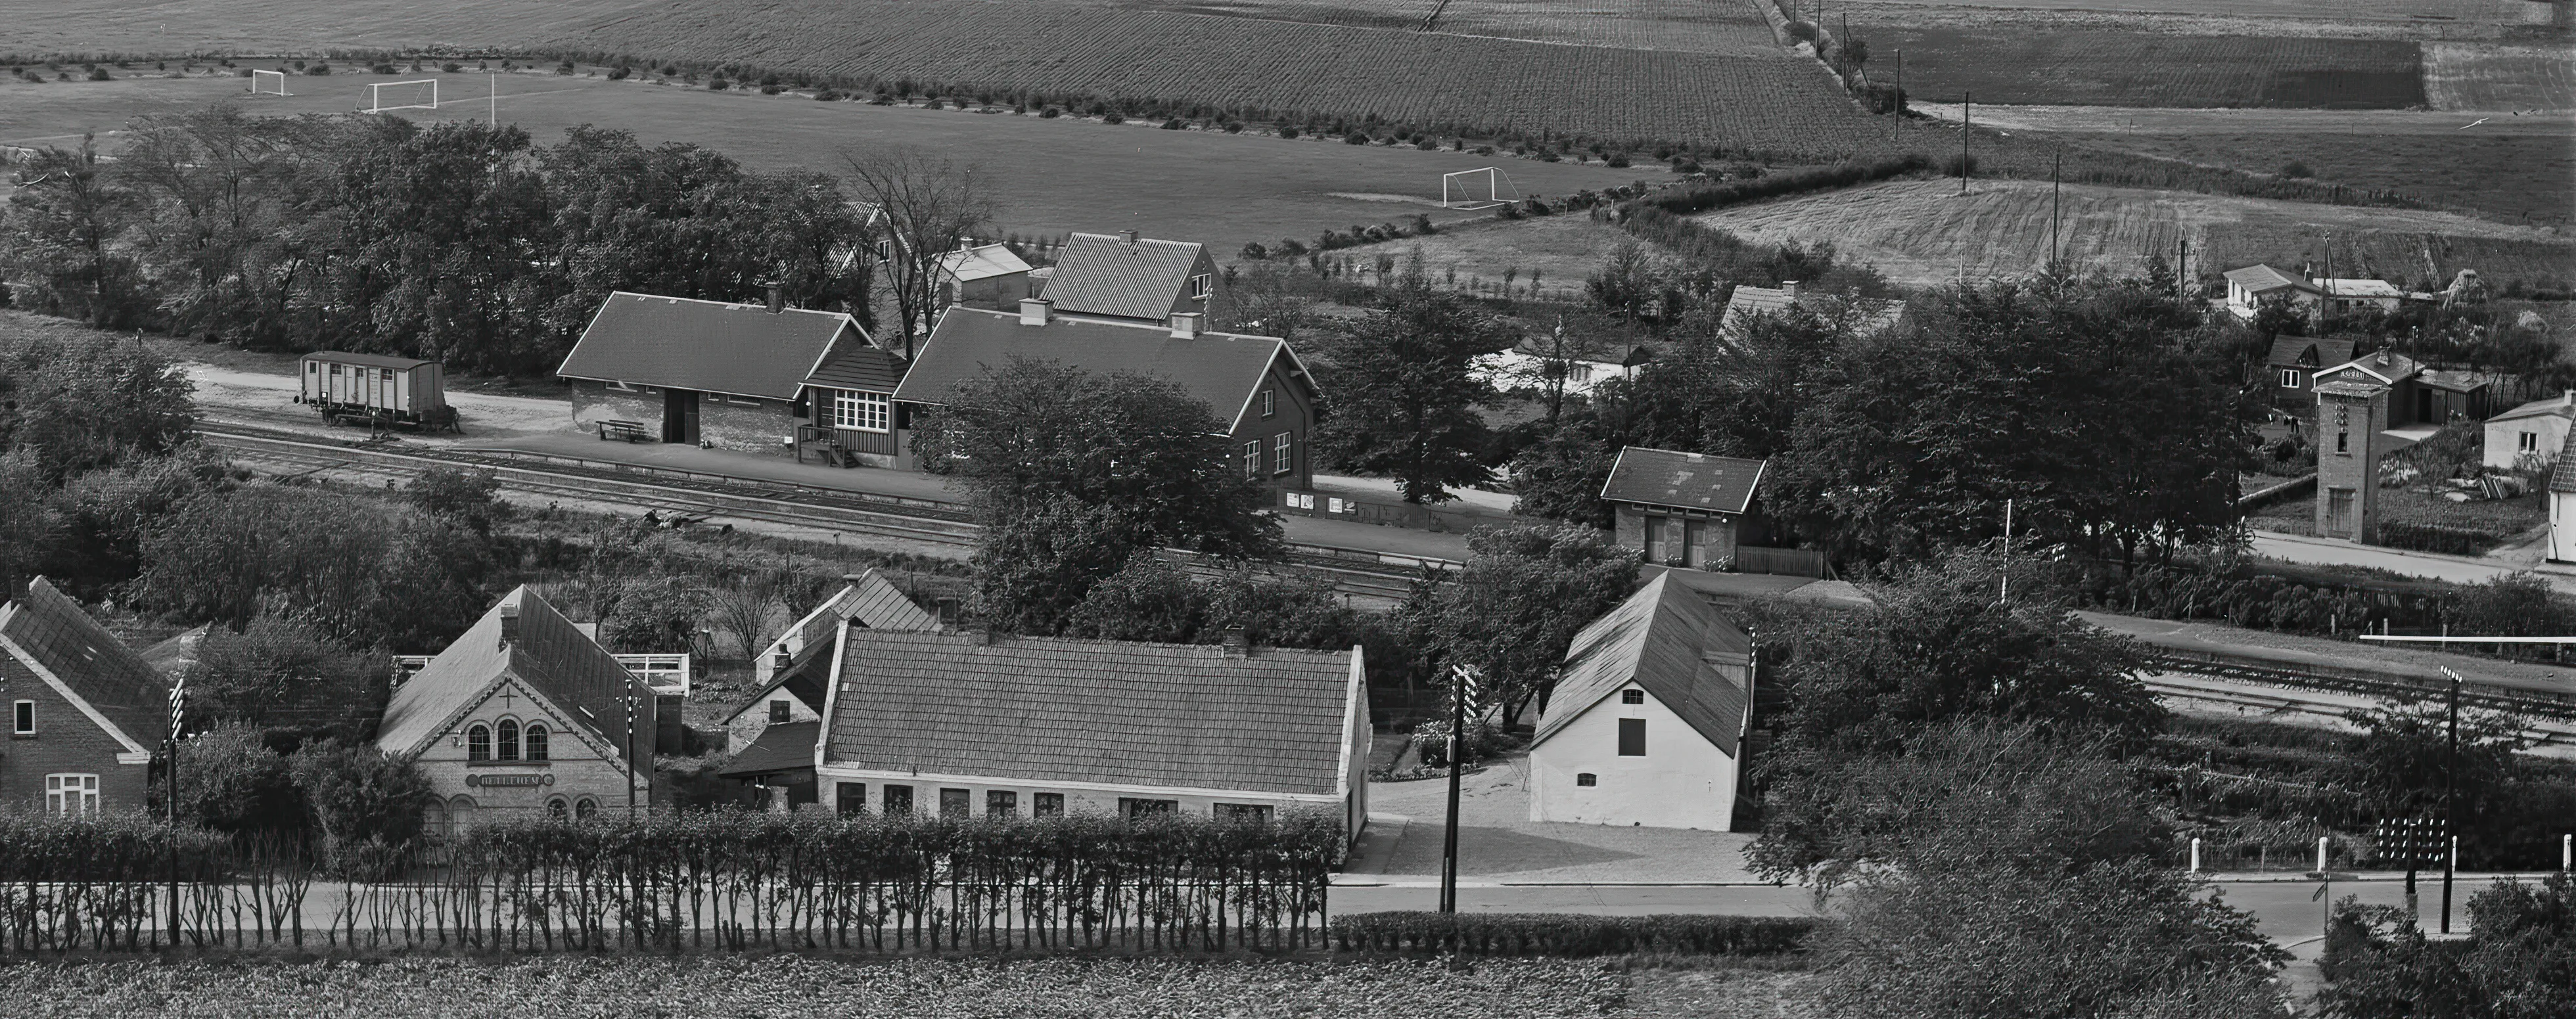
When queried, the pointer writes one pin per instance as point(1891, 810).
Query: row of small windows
point(852, 798)
point(505, 742)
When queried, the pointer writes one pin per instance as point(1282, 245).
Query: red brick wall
point(65, 741)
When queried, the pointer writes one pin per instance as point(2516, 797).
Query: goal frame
point(1457, 189)
point(375, 96)
point(257, 76)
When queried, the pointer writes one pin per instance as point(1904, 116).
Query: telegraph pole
point(2056, 203)
point(2450, 781)
point(1965, 117)
point(1460, 681)
point(1900, 95)
point(170, 760)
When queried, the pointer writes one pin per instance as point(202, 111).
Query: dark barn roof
point(1662, 639)
point(786, 746)
point(114, 680)
point(678, 343)
point(1051, 709)
point(2291, 351)
point(859, 366)
point(1664, 477)
point(1223, 369)
point(1102, 274)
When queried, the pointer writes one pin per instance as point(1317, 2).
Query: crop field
point(1424, 80)
point(2479, 76)
point(2150, 69)
point(1054, 175)
point(790, 985)
point(2489, 11)
point(2509, 175)
point(1924, 232)
point(1699, 26)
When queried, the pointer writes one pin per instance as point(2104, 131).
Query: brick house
point(1136, 279)
point(521, 714)
point(1256, 384)
point(969, 723)
point(1649, 717)
point(2416, 395)
point(1685, 508)
point(719, 374)
point(770, 731)
point(85, 712)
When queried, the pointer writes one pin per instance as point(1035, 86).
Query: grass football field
point(1056, 175)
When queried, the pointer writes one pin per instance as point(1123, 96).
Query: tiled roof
point(1222, 369)
point(99, 669)
point(2261, 278)
point(871, 601)
point(2556, 406)
point(1100, 274)
point(970, 264)
point(2562, 478)
point(1664, 477)
point(370, 360)
point(1662, 638)
point(2388, 367)
point(1049, 709)
point(741, 349)
point(551, 656)
point(786, 746)
point(2291, 351)
point(859, 366)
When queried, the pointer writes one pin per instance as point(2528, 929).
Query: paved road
point(2299, 548)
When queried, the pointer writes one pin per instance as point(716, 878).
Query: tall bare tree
point(925, 207)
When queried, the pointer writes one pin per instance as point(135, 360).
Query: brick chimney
point(1238, 644)
point(509, 623)
point(1036, 311)
point(1185, 325)
point(1127, 237)
point(1789, 287)
point(777, 297)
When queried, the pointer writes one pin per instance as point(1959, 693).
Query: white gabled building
point(1647, 723)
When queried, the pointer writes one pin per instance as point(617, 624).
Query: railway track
point(2529, 703)
point(944, 525)
point(2541, 734)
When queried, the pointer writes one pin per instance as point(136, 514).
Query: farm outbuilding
point(376, 386)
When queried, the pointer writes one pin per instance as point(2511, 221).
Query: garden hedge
point(1546, 934)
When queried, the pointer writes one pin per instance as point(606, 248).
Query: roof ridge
point(727, 304)
point(969, 636)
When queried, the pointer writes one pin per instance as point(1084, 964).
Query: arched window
point(478, 743)
point(586, 809)
point(509, 748)
point(556, 809)
point(460, 814)
point(536, 741)
point(433, 820)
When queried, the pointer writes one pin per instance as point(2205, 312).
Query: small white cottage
point(1647, 723)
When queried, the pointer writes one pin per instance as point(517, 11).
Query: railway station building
point(746, 377)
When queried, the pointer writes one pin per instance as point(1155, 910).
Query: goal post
point(1477, 189)
point(268, 83)
point(405, 95)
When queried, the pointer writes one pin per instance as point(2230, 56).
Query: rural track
point(2306, 701)
point(1354, 572)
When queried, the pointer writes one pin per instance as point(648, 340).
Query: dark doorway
point(2424, 408)
point(680, 416)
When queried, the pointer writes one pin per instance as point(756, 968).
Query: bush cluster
point(1547, 934)
point(1702, 197)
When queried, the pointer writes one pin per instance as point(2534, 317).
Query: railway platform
point(584, 450)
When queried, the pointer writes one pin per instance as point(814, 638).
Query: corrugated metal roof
point(785, 746)
point(1049, 709)
point(970, 264)
point(859, 366)
point(1662, 639)
point(712, 346)
point(1099, 274)
point(370, 360)
point(1222, 369)
point(1664, 477)
point(2260, 278)
point(99, 669)
point(551, 656)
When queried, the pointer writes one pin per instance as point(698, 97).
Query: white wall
point(2503, 440)
point(1683, 781)
point(1078, 797)
point(2562, 527)
point(754, 719)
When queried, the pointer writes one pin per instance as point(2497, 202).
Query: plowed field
point(2150, 69)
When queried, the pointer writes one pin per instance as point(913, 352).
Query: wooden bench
point(631, 431)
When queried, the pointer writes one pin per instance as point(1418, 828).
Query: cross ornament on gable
point(505, 698)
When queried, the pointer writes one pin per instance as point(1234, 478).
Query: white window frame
point(1269, 402)
point(2291, 378)
point(2529, 442)
point(72, 794)
point(1252, 459)
point(22, 718)
point(1202, 286)
point(857, 410)
point(1283, 452)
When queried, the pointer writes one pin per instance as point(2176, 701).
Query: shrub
point(1234, 127)
point(1356, 138)
point(2295, 170)
point(367, 804)
point(1618, 161)
point(1950, 165)
point(381, 69)
point(1802, 31)
point(1253, 251)
point(718, 84)
point(100, 73)
point(1050, 113)
point(1756, 186)
point(1287, 130)
point(618, 74)
point(2448, 539)
point(1175, 124)
point(828, 96)
point(318, 69)
point(1536, 934)
point(771, 90)
point(452, 67)
point(1113, 117)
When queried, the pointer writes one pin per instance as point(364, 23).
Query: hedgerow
point(1566, 935)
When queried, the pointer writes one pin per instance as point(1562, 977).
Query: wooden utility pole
point(1964, 120)
point(2450, 771)
point(1900, 95)
point(2056, 204)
